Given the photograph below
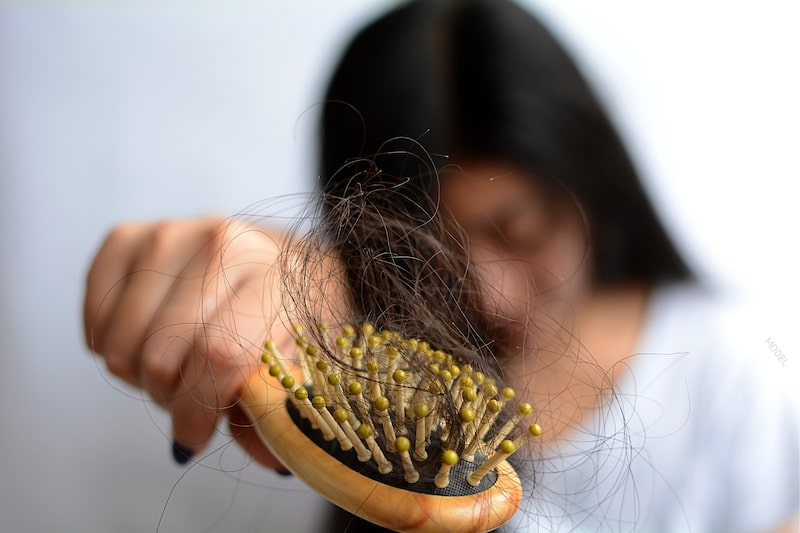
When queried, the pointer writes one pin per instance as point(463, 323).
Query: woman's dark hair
point(483, 79)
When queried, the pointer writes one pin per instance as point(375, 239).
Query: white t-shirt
point(699, 437)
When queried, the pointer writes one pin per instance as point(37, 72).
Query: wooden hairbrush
point(391, 430)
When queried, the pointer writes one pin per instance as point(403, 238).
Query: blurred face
point(529, 245)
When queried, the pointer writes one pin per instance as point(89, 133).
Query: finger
point(173, 256)
point(174, 331)
point(177, 325)
point(205, 392)
point(227, 351)
point(241, 428)
point(107, 278)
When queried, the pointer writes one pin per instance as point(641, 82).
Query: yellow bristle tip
point(340, 415)
point(402, 444)
point(494, 406)
point(467, 414)
point(381, 403)
point(318, 402)
point(301, 393)
point(507, 447)
point(365, 431)
point(449, 457)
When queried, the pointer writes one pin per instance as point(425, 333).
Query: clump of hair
point(379, 253)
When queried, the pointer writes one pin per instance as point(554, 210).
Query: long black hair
point(485, 79)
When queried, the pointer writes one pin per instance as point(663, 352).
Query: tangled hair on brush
point(379, 244)
point(379, 251)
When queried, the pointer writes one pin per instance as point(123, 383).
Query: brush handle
point(394, 508)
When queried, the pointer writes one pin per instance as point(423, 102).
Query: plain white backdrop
point(143, 110)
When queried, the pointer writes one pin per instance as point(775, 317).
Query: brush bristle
point(401, 404)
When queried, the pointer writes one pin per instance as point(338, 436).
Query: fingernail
point(284, 472)
point(181, 453)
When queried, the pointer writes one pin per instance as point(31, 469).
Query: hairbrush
point(391, 429)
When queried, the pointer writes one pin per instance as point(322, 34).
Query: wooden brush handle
point(394, 508)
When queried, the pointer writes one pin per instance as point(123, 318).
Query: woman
point(593, 309)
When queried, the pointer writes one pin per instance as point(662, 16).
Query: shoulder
point(698, 435)
point(720, 419)
point(713, 347)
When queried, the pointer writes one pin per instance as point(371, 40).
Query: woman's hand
point(181, 309)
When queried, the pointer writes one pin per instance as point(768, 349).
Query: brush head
point(391, 429)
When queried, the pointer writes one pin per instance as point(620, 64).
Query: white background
point(141, 110)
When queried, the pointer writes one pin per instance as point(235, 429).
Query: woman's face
point(530, 247)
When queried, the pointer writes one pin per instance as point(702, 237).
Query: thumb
point(243, 430)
